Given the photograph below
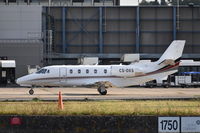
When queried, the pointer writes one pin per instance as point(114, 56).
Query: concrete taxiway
point(92, 94)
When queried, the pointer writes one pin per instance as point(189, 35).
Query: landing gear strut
point(31, 91)
point(102, 90)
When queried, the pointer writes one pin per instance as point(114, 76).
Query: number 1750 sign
point(168, 125)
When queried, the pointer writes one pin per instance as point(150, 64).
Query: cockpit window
point(43, 71)
point(48, 71)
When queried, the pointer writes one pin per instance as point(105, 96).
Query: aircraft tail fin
point(173, 53)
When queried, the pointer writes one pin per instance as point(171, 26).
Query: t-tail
point(173, 53)
point(169, 61)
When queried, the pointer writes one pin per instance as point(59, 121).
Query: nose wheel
point(102, 90)
point(31, 91)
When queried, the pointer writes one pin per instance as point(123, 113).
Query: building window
point(78, 0)
point(95, 70)
point(105, 70)
point(79, 70)
point(27, 1)
point(71, 71)
point(87, 70)
point(10, 0)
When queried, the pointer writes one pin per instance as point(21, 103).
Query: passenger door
point(63, 75)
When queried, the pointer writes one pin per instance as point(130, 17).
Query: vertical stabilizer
point(173, 52)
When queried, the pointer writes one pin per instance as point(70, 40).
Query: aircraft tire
point(150, 86)
point(166, 86)
point(31, 91)
point(102, 90)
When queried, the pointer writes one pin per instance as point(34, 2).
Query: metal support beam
point(174, 23)
point(46, 35)
point(110, 56)
point(28, 2)
point(137, 48)
point(63, 30)
point(100, 29)
point(44, 32)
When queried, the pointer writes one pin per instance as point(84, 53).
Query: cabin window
point(95, 70)
point(105, 70)
point(79, 70)
point(87, 70)
point(71, 71)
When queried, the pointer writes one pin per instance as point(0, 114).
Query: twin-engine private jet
point(105, 76)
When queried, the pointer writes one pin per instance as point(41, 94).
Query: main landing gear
point(31, 91)
point(102, 89)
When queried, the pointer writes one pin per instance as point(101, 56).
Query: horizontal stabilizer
point(167, 62)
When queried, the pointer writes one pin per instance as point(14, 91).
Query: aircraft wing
point(106, 83)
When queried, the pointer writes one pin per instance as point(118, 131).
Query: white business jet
point(105, 76)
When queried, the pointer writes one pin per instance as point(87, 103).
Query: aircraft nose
point(19, 81)
point(23, 81)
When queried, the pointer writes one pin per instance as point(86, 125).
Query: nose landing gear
point(31, 91)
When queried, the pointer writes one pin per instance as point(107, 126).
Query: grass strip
point(149, 107)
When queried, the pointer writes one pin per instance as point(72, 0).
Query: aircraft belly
point(123, 82)
point(82, 81)
point(46, 82)
point(116, 81)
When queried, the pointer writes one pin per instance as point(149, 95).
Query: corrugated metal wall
point(29, 53)
point(20, 22)
point(123, 29)
point(21, 35)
